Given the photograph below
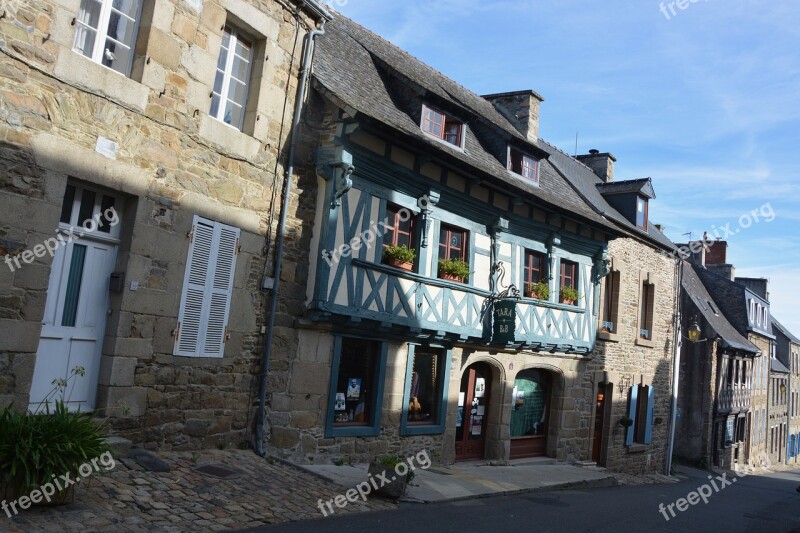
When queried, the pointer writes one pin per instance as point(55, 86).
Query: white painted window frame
point(227, 75)
point(102, 34)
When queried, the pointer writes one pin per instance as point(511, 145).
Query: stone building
point(716, 380)
point(400, 351)
point(787, 352)
point(144, 149)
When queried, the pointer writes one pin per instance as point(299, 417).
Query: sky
point(704, 100)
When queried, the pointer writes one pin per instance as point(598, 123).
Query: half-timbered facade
point(455, 278)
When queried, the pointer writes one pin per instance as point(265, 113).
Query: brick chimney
point(601, 164)
point(717, 253)
point(521, 108)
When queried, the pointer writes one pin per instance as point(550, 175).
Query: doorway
point(530, 416)
point(472, 414)
point(602, 400)
point(74, 323)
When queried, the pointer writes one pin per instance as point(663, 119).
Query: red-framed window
point(569, 274)
point(441, 126)
point(534, 267)
point(452, 243)
point(524, 165)
point(399, 227)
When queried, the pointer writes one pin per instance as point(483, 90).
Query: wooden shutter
point(632, 403)
point(648, 427)
point(208, 283)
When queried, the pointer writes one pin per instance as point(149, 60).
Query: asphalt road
point(767, 503)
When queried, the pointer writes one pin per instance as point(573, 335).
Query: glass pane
point(529, 404)
point(354, 394)
point(106, 204)
point(223, 58)
point(87, 206)
point(218, 82)
point(243, 47)
point(90, 13)
point(84, 41)
point(116, 56)
point(121, 28)
point(240, 67)
point(66, 206)
point(214, 106)
point(237, 92)
point(455, 240)
point(234, 115)
point(128, 7)
point(423, 404)
point(226, 38)
point(73, 286)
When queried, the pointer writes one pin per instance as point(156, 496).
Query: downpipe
point(676, 371)
point(279, 247)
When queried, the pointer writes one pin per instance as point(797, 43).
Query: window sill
point(609, 337)
point(639, 448)
point(442, 141)
point(417, 430)
point(646, 343)
point(228, 138)
point(95, 78)
point(352, 431)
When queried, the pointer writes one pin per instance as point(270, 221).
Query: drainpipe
point(675, 370)
point(267, 353)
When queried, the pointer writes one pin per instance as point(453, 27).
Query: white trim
point(463, 133)
point(227, 76)
point(101, 33)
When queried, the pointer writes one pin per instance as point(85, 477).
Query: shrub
point(454, 267)
point(402, 253)
point(570, 293)
point(541, 288)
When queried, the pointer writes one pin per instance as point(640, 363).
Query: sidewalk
point(478, 479)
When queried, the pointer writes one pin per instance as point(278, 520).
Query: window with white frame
point(229, 97)
point(207, 287)
point(106, 32)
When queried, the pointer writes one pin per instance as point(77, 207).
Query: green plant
point(569, 293)
point(626, 421)
point(403, 253)
point(454, 267)
point(391, 461)
point(541, 288)
point(35, 448)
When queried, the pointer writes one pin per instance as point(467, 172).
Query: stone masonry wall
point(173, 162)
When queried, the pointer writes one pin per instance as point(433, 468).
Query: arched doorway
point(530, 413)
point(473, 411)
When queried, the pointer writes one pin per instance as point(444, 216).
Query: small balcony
point(734, 400)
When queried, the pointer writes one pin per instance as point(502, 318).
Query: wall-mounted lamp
point(783, 388)
point(695, 332)
point(624, 383)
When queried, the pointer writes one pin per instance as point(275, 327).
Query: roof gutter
point(318, 9)
point(281, 232)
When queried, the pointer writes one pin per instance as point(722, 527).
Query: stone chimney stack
point(521, 108)
point(759, 286)
point(601, 164)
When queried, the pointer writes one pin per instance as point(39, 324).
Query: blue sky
point(705, 101)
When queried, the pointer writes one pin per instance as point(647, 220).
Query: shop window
point(424, 399)
point(640, 411)
point(530, 404)
point(356, 387)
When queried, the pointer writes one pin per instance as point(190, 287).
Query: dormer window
point(524, 165)
point(442, 127)
point(641, 212)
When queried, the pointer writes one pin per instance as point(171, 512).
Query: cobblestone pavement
point(128, 498)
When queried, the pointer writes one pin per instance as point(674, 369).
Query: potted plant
point(626, 421)
point(540, 291)
point(453, 270)
point(569, 295)
point(401, 257)
point(386, 468)
point(37, 447)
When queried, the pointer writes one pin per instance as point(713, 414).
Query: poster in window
point(476, 429)
point(339, 406)
point(480, 387)
point(460, 416)
point(354, 389)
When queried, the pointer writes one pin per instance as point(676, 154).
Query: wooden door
point(473, 410)
point(599, 424)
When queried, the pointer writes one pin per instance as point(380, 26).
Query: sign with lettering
point(505, 321)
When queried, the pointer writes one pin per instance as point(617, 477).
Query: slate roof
point(711, 311)
point(586, 181)
point(362, 72)
point(777, 366)
point(786, 333)
point(642, 186)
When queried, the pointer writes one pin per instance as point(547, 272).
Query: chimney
point(757, 285)
point(717, 253)
point(601, 164)
point(521, 108)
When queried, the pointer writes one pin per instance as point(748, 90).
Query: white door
point(74, 324)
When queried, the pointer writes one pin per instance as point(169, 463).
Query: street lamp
point(695, 332)
point(783, 388)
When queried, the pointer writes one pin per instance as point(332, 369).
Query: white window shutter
point(207, 288)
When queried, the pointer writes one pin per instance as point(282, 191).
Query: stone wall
point(173, 162)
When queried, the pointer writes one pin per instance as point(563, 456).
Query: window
point(229, 97)
point(524, 165)
point(610, 307)
point(92, 209)
point(640, 410)
point(452, 243)
point(641, 212)
point(534, 268)
point(207, 287)
point(442, 127)
point(106, 32)
point(399, 227)
point(647, 302)
point(425, 394)
point(356, 387)
point(569, 274)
